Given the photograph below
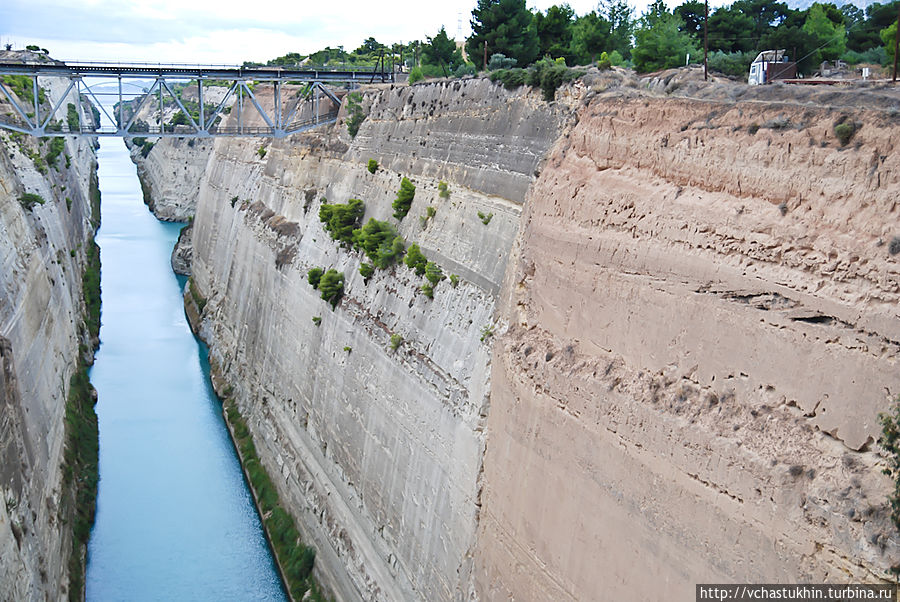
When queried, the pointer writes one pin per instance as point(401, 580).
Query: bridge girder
point(241, 83)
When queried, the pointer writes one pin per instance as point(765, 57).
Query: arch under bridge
point(301, 99)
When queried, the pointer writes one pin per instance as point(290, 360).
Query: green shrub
point(485, 219)
point(317, 320)
point(894, 246)
point(396, 341)
point(433, 273)
point(415, 260)
point(372, 166)
point(454, 280)
point(753, 128)
point(465, 69)
point(427, 290)
point(72, 118)
point(57, 145)
point(510, 78)
point(314, 276)
point(844, 130)
point(375, 239)
point(29, 200)
point(348, 349)
point(603, 63)
point(366, 270)
point(199, 301)
point(340, 219)
point(500, 61)
point(430, 211)
point(443, 191)
point(415, 75)
point(487, 332)
point(355, 115)
point(550, 75)
point(404, 198)
point(331, 285)
point(261, 151)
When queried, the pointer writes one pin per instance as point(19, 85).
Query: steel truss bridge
point(295, 104)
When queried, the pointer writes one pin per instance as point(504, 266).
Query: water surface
point(175, 520)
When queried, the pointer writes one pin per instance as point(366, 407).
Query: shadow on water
point(175, 519)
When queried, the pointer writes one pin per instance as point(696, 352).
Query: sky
point(227, 32)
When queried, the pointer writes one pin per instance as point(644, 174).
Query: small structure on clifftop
point(770, 65)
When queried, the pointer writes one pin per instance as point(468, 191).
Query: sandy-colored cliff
point(663, 364)
point(703, 326)
point(43, 254)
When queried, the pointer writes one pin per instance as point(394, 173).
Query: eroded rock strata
point(663, 363)
point(44, 242)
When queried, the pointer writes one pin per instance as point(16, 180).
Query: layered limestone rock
point(42, 250)
point(703, 327)
point(377, 446)
point(678, 349)
point(170, 171)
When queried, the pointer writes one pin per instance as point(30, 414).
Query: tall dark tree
point(621, 24)
point(765, 14)
point(590, 37)
point(866, 34)
point(441, 51)
point(554, 30)
point(656, 10)
point(506, 26)
point(730, 30)
point(692, 13)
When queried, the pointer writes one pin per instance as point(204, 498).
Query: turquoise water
point(175, 520)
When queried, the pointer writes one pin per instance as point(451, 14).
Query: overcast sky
point(226, 31)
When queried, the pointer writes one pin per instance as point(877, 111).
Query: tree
point(656, 10)
point(730, 30)
point(866, 35)
point(692, 12)
point(506, 26)
point(887, 36)
point(441, 51)
point(662, 45)
point(621, 25)
point(370, 46)
point(554, 30)
point(590, 36)
point(791, 35)
point(765, 15)
point(829, 34)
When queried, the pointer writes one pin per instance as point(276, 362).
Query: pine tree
point(506, 26)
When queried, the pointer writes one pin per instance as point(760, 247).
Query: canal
point(175, 519)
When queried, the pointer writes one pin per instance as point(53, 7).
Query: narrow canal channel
point(175, 520)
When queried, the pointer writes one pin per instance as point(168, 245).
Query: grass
point(81, 453)
point(295, 559)
point(196, 296)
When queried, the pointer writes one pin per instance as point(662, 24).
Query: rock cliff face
point(665, 357)
point(703, 327)
point(170, 175)
point(43, 254)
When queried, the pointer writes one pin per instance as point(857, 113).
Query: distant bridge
point(296, 99)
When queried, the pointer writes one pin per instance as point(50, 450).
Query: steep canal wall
point(674, 326)
point(46, 237)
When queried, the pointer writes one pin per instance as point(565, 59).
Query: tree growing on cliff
point(340, 219)
point(355, 114)
point(332, 287)
point(415, 260)
point(404, 198)
point(507, 27)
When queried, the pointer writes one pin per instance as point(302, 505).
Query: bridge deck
point(37, 120)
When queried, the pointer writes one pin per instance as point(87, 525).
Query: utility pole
point(705, 42)
point(896, 43)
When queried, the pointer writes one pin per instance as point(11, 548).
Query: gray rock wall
point(378, 450)
point(42, 254)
